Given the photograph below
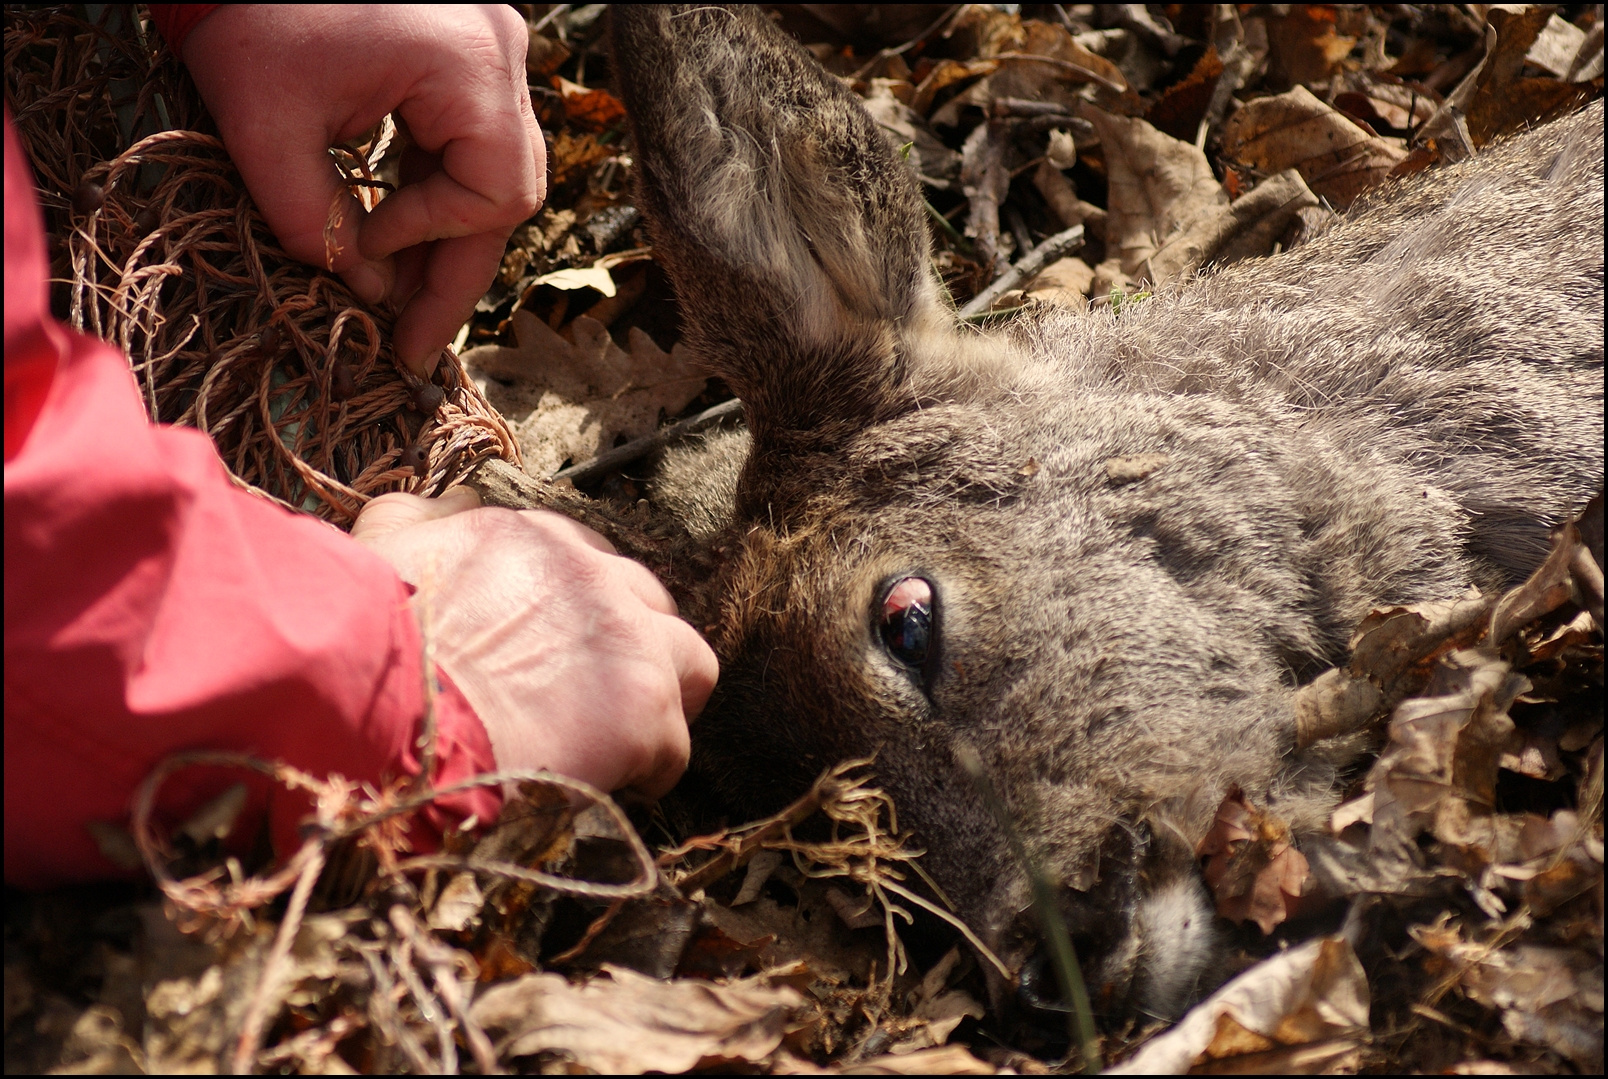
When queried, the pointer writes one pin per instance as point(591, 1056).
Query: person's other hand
point(571, 655)
point(284, 83)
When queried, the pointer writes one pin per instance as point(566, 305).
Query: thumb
point(393, 512)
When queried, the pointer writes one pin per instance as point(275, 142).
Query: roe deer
point(1103, 551)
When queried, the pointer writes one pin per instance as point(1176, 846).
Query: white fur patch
point(1173, 927)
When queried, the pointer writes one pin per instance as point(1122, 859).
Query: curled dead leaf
point(944, 74)
point(623, 1022)
point(1246, 228)
point(935, 163)
point(1569, 571)
point(1251, 867)
point(1310, 995)
point(1338, 159)
point(1385, 100)
point(1495, 98)
point(1157, 185)
point(1438, 771)
point(590, 110)
point(1546, 995)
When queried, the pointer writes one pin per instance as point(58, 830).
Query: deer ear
point(795, 237)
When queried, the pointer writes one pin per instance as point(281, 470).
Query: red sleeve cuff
point(175, 21)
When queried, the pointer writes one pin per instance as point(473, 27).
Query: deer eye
point(906, 621)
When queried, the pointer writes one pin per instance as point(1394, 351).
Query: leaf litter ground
point(1451, 920)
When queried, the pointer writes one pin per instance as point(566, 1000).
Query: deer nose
point(1038, 993)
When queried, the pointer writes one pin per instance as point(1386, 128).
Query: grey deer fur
point(1390, 414)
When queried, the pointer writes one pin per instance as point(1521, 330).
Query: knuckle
point(494, 522)
point(524, 204)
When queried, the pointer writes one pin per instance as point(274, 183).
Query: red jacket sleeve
point(151, 606)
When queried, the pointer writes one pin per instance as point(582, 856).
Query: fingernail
point(367, 281)
point(423, 366)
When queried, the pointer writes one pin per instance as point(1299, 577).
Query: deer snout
point(1146, 947)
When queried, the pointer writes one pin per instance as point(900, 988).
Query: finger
point(457, 273)
point(392, 512)
point(645, 586)
point(278, 143)
point(410, 266)
point(457, 201)
point(315, 218)
point(696, 666)
point(480, 186)
point(669, 762)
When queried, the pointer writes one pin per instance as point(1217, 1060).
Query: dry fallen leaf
point(458, 905)
point(1247, 228)
point(943, 1013)
point(1157, 185)
point(1547, 589)
point(946, 1060)
point(571, 399)
point(1253, 871)
point(569, 153)
point(1303, 46)
point(624, 1022)
point(1380, 99)
point(590, 110)
point(1338, 159)
point(1496, 98)
point(1556, 46)
point(1438, 771)
point(1389, 650)
point(1313, 995)
point(592, 277)
point(944, 74)
point(1547, 996)
point(935, 163)
point(1180, 108)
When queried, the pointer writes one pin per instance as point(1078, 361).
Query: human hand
point(571, 655)
point(285, 83)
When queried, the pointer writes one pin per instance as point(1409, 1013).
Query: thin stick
point(1030, 264)
point(593, 931)
point(245, 1054)
point(609, 460)
point(890, 53)
point(386, 1018)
